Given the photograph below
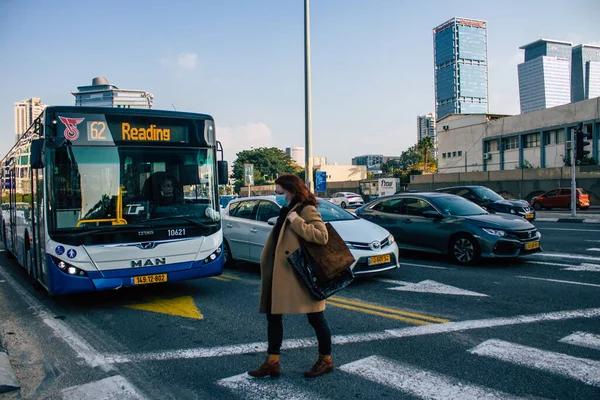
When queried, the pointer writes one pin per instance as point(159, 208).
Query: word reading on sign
point(151, 133)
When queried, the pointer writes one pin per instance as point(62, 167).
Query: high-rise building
point(545, 75)
point(461, 70)
point(373, 162)
point(103, 94)
point(297, 154)
point(585, 72)
point(25, 112)
point(425, 127)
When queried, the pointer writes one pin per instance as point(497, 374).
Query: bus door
point(12, 199)
point(37, 216)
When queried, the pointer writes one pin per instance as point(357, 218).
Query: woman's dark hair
point(297, 188)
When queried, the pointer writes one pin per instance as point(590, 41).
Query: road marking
point(263, 389)
point(429, 286)
point(422, 266)
point(581, 369)
point(592, 240)
point(593, 249)
point(550, 263)
point(366, 307)
point(180, 306)
point(568, 229)
point(393, 281)
point(432, 329)
point(418, 382)
point(583, 339)
point(559, 281)
point(569, 256)
point(218, 278)
point(229, 276)
point(115, 387)
point(583, 267)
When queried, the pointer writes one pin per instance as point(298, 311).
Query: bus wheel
point(30, 271)
point(5, 242)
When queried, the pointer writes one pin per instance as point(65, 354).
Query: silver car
point(248, 221)
point(449, 224)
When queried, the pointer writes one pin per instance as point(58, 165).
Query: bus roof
point(126, 111)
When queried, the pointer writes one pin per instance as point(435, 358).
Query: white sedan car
point(248, 221)
point(347, 199)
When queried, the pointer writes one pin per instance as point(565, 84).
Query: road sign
point(248, 174)
point(321, 181)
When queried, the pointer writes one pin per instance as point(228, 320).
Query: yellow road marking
point(386, 309)
point(220, 279)
point(180, 306)
point(380, 314)
point(237, 278)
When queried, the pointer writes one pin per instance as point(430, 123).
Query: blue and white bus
point(80, 198)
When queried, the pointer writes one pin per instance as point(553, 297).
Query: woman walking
point(282, 292)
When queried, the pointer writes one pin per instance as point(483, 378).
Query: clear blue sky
point(242, 61)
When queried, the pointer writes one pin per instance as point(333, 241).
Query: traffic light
point(580, 143)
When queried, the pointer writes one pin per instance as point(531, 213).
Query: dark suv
point(492, 201)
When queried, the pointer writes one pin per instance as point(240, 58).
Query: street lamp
point(307, 123)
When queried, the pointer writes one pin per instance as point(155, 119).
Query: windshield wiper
point(187, 218)
point(84, 231)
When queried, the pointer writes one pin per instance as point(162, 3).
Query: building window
point(460, 153)
point(510, 143)
point(444, 155)
point(491, 145)
point(453, 154)
point(531, 140)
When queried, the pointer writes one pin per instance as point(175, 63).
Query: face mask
point(281, 200)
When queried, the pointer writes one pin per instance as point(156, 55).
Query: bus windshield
point(123, 187)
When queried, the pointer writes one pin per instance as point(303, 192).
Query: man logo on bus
point(71, 131)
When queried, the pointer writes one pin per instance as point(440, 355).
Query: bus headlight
point(68, 268)
point(213, 256)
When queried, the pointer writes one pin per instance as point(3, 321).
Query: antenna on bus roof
point(173, 107)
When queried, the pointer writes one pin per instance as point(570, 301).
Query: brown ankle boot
point(323, 365)
point(270, 367)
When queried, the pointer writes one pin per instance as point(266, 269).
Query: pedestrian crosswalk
point(415, 381)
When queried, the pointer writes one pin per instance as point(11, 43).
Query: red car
point(560, 198)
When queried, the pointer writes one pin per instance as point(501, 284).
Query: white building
point(344, 173)
point(545, 75)
point(103, 94)
point(297, 154)
point(484, 142)
point(25, 112)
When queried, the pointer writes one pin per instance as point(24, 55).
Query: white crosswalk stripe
point(418, 382)
point(248, 387)
point(583, 339)
point(582, 369)
point(115, 387)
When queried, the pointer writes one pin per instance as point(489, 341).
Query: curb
point(8, 379)
point(570, 220)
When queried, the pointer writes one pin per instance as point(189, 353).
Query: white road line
point(581, 369)
point(593, 249)
point(568, 256)
point(418, 382)
point(433, 329)
point(394, 281)
point(567, 229)
point(422, 266)
point(583, 267)
point(265, 388)
point(429, 286)
point(583, 339)
point(115, 387)
point(592, 240)
point(549, 263)
point(559, 281)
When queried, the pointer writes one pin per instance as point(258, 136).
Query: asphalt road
point(521, 328)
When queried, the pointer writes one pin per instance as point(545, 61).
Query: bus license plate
point(529, 216)
point(147, 279)
point(379, 259)
point(532, 245)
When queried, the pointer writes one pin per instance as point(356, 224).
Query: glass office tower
point(585, 72)
point(461, 71)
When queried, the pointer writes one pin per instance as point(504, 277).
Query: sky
point(242, 62)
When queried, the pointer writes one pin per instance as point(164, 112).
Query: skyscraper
point(461, 72)
point(103, 94)
point(585, 72)
point(25, 112)
point(297, 154)
point(545, 75)
point(425, 127)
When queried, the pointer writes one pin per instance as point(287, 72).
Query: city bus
point(80, 198)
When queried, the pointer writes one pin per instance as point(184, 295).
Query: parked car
point(561, 198)
point(449, 224)
point(492, 201)
point(248, 221)
point(347, 199)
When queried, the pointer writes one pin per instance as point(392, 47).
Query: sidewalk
point(8, 379)
point(566, 217)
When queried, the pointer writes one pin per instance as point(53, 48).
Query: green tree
point(269, 162)
point(425, 146)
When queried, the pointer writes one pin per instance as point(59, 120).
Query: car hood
point(511, 203)
point(502, 221)
point(359, 230)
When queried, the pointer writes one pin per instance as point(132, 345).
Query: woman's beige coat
point(281, 290)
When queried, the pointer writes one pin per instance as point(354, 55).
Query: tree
point(268, 164)
point(425, 145)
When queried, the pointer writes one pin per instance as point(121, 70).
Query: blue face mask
point(281, 200)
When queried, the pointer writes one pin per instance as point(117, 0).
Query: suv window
point(267, 210)
point(245, 209)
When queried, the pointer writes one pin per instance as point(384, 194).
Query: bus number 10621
point(176, 232)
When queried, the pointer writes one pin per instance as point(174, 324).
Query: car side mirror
point(432, 214)
point(272, 221)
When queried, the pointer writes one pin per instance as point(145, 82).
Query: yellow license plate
point(532, 245)
point(147, 279)
point(379, 259)
point(529, 216)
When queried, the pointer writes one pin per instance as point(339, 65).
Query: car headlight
point(494, 232)
point(391, 239)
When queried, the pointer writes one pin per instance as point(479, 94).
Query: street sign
point(321, 181)
point(248, 174)
point(387, 186)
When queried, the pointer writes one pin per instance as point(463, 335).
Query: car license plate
point(532, 245)
point(147, 279)
point(379, 259)
point(529, 216)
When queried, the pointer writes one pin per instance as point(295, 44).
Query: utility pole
point(573, 184)
point(307, 123)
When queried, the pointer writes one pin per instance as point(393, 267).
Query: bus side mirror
point(38, 151)
point(223, 172)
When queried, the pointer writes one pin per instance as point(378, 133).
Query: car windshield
point(457, 206)
point(330, 212)
point(487, 194)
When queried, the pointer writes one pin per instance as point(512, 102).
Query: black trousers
point(316, 320)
